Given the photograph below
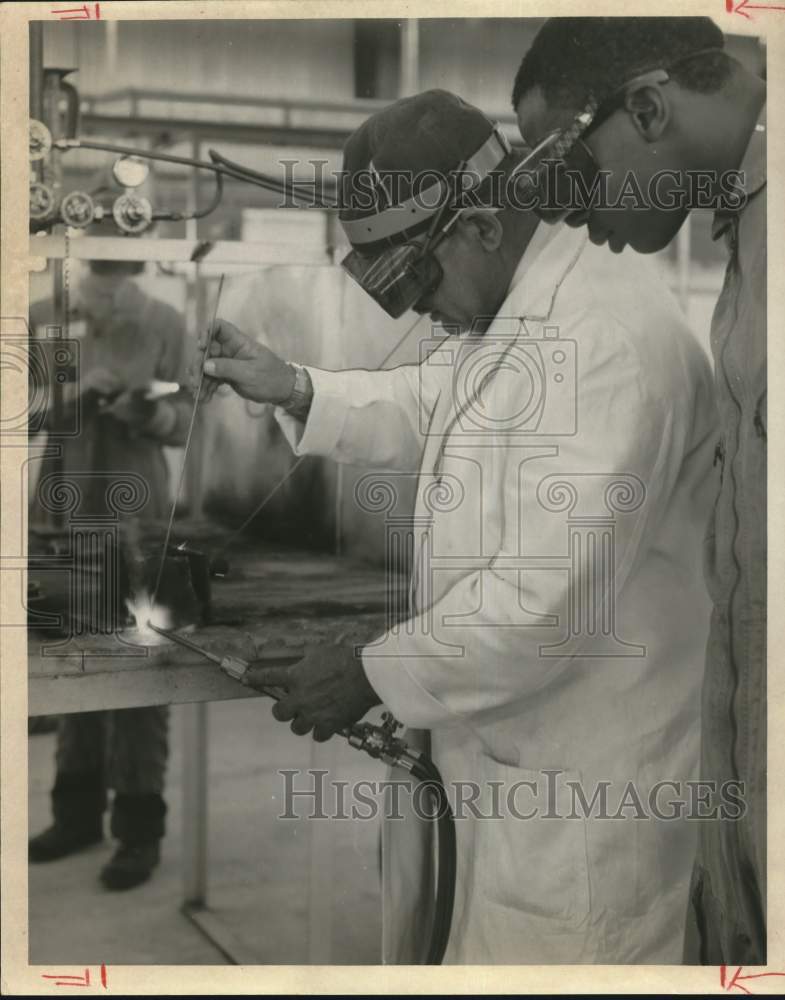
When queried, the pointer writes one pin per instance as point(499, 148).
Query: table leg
point(195, 764)
point(321, 864)
point(195, 858)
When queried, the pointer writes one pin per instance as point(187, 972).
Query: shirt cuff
point(406, 698)
point(320, 433)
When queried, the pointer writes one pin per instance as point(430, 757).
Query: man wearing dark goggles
point(650, 149)
point(673, 107)
point(406, 254)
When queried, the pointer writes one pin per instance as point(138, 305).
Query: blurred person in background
point(128, 339)
point(671, 106)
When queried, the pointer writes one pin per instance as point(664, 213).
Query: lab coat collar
point(753, 169)
point(551, 254)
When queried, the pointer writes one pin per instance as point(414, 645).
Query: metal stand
point(321, 867)
point(195, 904)
point(195, 833)
point(195, 813)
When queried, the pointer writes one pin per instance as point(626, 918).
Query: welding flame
point(143, 611)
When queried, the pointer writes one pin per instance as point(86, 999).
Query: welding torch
point(381, 743)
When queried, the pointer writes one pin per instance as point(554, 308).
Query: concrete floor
point(260, 867)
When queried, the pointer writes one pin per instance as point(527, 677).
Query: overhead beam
point(177, 251)
point(318, 137)
point(304, 136)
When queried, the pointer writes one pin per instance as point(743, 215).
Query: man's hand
point(132, 408)
point(326, 691)
point(101, 382)
point(250, 368)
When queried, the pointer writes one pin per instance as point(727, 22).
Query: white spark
point(141, 607)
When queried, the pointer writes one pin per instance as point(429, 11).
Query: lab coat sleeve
point(632, 427)
point(376, 419)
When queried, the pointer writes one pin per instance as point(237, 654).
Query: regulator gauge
point(130, 171)
point(40, 140)
point(42, 201)
point(77, 209)
point(132, 213)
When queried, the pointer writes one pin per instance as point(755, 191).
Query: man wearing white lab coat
point(554, 646)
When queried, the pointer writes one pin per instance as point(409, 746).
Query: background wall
point(254, 58)
point(311, 314)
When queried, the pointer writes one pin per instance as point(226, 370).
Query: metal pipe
point(410, 57)
point(36, 69)
point(36, 96)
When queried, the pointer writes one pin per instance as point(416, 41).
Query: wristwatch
point(298, 402)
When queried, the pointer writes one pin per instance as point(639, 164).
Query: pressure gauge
point(132, 213)
point(130, 171)
point(40, 140)
point(77, 209)
point(42, 201)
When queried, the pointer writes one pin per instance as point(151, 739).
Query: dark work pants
point(717, 935)
point(125, 750)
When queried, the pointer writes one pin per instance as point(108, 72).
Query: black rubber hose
point(201, 212)
point(235, 171)
point(288, 190)
point(428, 773)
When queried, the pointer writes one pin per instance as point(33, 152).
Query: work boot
point(78, 802)
point(131, 865)
point(138, 823)
point(58, 841)
point(138, 819)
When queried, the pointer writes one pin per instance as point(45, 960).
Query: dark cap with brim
point(398, 165)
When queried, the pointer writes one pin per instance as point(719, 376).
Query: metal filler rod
point(205, 356)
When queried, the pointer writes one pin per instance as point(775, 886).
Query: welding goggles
point(558, 174)
point(400, 276)
point(390, 259)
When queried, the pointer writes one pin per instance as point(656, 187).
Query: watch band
point(299, 401)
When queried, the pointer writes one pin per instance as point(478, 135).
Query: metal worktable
point(272, 602)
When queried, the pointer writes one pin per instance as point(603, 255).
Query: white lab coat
point(517, 657)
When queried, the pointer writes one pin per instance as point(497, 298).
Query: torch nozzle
point(182, 641)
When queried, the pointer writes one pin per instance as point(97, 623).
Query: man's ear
point(484, 225)
point(650, 111)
